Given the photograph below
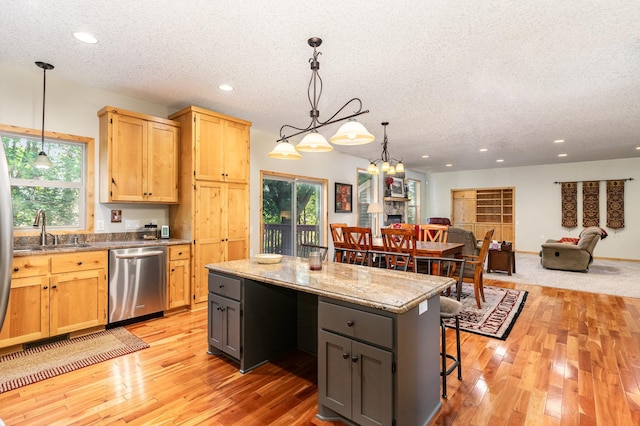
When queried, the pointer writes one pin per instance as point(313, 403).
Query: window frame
point(375, 196)
point(415, 204)
point(89, 173)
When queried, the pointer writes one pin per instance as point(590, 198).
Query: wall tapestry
point(615, 203)
point(591, 203)
point(569, 204)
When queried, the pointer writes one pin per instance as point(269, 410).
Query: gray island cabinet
point(375, 332)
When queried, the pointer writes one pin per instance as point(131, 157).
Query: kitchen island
point(375, 331)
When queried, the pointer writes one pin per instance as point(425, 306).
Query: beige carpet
point(52, 359)
point(614, 277)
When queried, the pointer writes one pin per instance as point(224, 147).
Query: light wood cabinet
point(138, 157)
point(178, 284)
point(213, 210)
point(480, 210)
point(55, 294)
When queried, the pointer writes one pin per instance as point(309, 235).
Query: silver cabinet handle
point(137, 255)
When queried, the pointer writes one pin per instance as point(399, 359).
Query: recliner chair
point(572, 257)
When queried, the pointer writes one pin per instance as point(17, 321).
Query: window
point(64, 191)
point(413, 206)
point(367, 184)
point(285, 223)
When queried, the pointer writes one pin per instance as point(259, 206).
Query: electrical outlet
point(132, 224)
point(99, 225)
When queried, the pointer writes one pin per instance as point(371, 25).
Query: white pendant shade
point(399, 168)
point(391, 171)
point(373, 169)
point(352, 133)
point(285, 151)
point(314, 142)
point(42, 161)
point(385, 166)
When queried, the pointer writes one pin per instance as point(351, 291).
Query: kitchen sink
point(29, 249)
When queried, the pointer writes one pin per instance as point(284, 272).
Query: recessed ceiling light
point(426, 156)
point(562, 155)
point(483, 150)
point(638, 148)
point(558, 141)
point(225, 87)
point(448, 165)
point(499, 161)
point(85, 37)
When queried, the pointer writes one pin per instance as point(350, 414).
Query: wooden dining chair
point(449, 308)
point(359, 240)
point(400, 241)
point(433, 233)
point(337, 234)
point(475, 266)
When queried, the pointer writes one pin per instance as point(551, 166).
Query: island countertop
point(392, 291)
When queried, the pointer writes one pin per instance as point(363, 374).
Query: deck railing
point(276, 238)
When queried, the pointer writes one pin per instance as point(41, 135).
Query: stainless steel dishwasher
point(137, 282)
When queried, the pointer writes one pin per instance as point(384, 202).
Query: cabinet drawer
point(178, 252)
point(30, 266)
point(80, 261)
point(224, 286)
point(357, 324)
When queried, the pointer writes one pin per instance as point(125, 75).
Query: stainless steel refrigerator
point(6, 236)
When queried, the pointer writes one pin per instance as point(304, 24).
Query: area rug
point(496, 317)
point(52, 359)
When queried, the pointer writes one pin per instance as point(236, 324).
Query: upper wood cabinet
point(220, 143)
point(138, 157)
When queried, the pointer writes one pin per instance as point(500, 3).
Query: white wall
point(72, 109)
point(538, 207)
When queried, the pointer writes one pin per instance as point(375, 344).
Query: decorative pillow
point(569, 240)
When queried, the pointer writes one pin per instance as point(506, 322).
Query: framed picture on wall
point(344, 202)
point(397, 188)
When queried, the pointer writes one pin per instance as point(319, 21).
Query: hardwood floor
point(572, 358)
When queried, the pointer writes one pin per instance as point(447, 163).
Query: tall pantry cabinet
point(213, 212)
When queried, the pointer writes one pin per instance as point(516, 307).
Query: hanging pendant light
point(350, 133)
point(42, 161)
point(285, 151)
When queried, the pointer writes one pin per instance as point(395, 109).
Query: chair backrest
point(389, 260)
point(305, 249)
point(484, 250)
point(399, 240)
point(433, 233)
point(357, 237)
point(337, 234)
point(443, 267)
point(589, 237)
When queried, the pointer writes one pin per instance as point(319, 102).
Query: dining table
point(427, 248)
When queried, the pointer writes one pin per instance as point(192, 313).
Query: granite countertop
point(36, 250)
point(392, 291)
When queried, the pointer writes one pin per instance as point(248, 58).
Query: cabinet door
point(334, 372)
point(224, 325)
point(28, 311)
point(236, 152)
point(162, 163)
point(209, 160)
point(372, 383)
point(178, 288)
point(78, 300)
point(238, 224)
point(210, 232)
point(127, 158)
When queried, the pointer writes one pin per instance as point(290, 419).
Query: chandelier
point(350, 133)
point(389, 165)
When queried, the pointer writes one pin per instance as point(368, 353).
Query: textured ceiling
point(451, 77)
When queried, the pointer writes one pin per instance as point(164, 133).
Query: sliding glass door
point(292, 213)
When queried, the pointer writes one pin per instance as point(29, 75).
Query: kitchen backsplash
point(89, 238)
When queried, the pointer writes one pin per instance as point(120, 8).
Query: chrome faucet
point(41, 216)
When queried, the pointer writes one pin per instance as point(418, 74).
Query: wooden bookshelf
point(481, 209)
